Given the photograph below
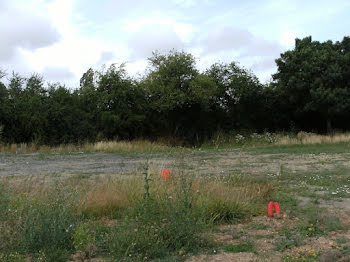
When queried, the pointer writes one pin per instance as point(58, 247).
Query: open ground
point(232, 186)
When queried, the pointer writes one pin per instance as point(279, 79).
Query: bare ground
point(199, 162)
point(210, 163)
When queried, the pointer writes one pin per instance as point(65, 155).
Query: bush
point(241, 247)
point(48, 224)
point(220, 211)
point(157, 227)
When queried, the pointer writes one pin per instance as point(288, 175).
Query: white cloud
point(287, 38)
point(153, 37)
point(106, 56)
point(186, 3)
point(72, 35)
point(226, 38)
point(57, 74)
point(26, 30)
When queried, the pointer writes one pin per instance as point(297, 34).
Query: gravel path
point(199, 162)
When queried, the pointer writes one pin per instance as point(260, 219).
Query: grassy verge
point(276, 142)
point(136, 146)
point(140, 217)
point(134, 218)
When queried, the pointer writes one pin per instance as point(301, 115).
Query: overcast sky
point(61, 39)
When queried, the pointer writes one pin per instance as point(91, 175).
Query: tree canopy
point(315, 79)
point(174, 99)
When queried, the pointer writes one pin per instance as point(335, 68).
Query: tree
point(88, 102)
point(65, 117)
point(314, 77)
point(35, 115)
point(238, 98)
point(179, 97)
point(15, 122)
point(4, 105)
point(121, 104)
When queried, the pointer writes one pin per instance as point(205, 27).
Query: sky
point(62, 39)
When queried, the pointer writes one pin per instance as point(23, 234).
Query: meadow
point(107, 201)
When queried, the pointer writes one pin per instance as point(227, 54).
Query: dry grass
point(139, 146)
point(144, 146)
point(126, 146)
point(311, 138)
point(111, 195)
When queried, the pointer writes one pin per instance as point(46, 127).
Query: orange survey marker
point(271, 206)
point(277, 208)
point(270, 209)
point(166, 174)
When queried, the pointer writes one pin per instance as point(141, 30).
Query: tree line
point(309, 92)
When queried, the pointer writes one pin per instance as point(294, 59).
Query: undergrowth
point(155, 218)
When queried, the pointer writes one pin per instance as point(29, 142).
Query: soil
point(208, 163)
point(198, 162)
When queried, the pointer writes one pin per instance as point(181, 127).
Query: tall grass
point(38, 223)
point(219, 140)
point(312, 138)
point(138, 146)
point(137, 218)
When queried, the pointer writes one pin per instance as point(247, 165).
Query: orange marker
point(277, 208)
point(270, 209)
point(165, 174)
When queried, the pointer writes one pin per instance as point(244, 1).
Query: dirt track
point(199, 162)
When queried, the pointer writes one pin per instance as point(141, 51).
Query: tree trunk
point(329, 126)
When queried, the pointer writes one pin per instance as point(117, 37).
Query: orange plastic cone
point(277, 208)
point(270, 209)
point(165, 174)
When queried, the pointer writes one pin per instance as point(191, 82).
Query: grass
point(265, 142)
point(156, 218)
point(135, 146)
point(137, 216)
point(242, 247)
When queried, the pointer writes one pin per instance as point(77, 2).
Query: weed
point(301, 258)
point(341, 241)
point(290, 238)
point(331, 223)
point(48, 224)
point(242, 247)
point(157, 226)
point(82, 237)
point(219, 211)
point(11, 257)
point(257, 226)
point(311, 230)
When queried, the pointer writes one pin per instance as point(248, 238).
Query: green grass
point(139, 217)
point(167, 219)
point(242, 247)
point(330, 148)
point(288, 238)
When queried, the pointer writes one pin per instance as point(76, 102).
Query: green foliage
point(4, 202)
point(332, 223)
point(175, 101)
point(158, 227)
point(313, 80)
point(82, 237)
point(289, 239)
point(48, 224)
point(236, 88)
point(311, 230)
point(242, 247)
point(219, 211)
point(120, 103)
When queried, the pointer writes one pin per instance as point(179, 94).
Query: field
point(91, 204)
